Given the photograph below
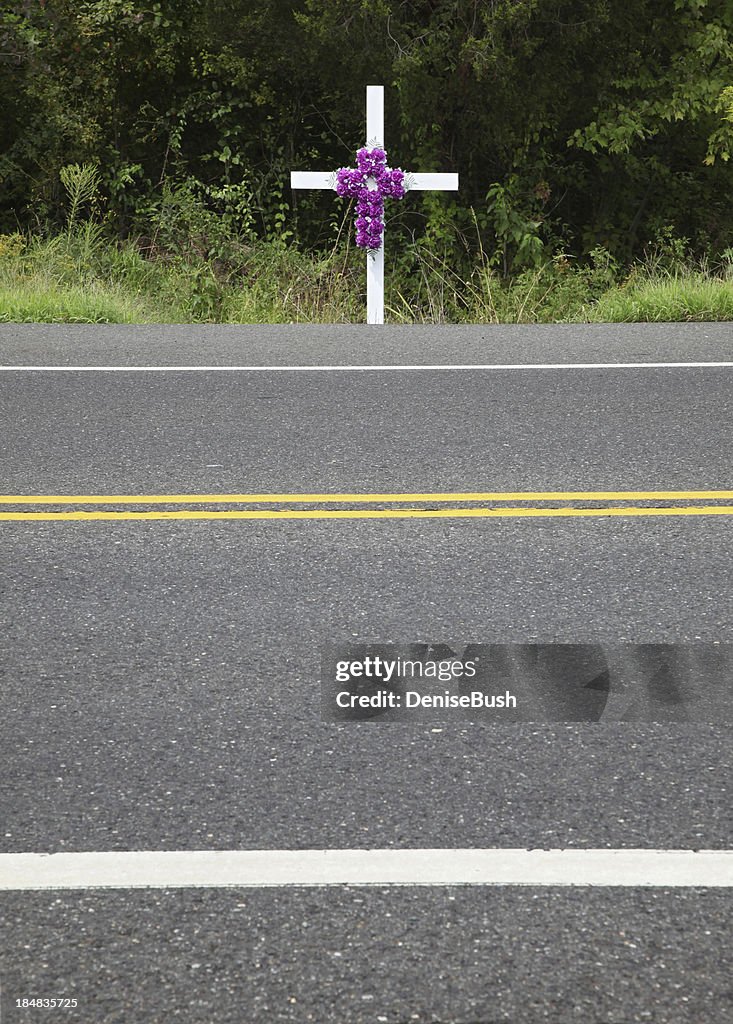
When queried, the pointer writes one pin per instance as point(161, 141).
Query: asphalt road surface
point(160, 677)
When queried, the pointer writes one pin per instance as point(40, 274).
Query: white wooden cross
point(416, 182)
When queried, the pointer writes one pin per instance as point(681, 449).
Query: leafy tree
point(572, 124)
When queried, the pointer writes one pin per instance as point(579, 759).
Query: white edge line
point(366, 367)
point(422, 867)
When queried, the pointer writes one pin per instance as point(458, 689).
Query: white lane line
point(258, 868)
point(365, 367)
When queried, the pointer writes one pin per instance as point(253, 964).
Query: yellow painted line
point(222, 499)
point(394, 513)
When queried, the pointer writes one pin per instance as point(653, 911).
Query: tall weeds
point(230, 276)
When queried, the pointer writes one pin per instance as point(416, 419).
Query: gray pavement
point(214, 432)
point(328, 344)
point(161, 684)
point(160, 680)
point(407, 956)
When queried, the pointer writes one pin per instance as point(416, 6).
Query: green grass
point(64, 280)
point(79, 276)
point(35, 300)
point(678, 296)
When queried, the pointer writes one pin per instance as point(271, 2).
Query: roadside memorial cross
point(370, 183)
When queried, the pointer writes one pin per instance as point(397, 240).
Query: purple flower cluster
point(369, 183)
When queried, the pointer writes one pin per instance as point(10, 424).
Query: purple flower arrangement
point(369, 183)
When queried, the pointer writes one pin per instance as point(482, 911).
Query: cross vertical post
point(375, 260)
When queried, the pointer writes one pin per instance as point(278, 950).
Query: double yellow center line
point(435, 505)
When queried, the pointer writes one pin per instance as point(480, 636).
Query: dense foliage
point(574, 125)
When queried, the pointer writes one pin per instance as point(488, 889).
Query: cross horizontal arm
point(424, 182)
point(311, 179)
